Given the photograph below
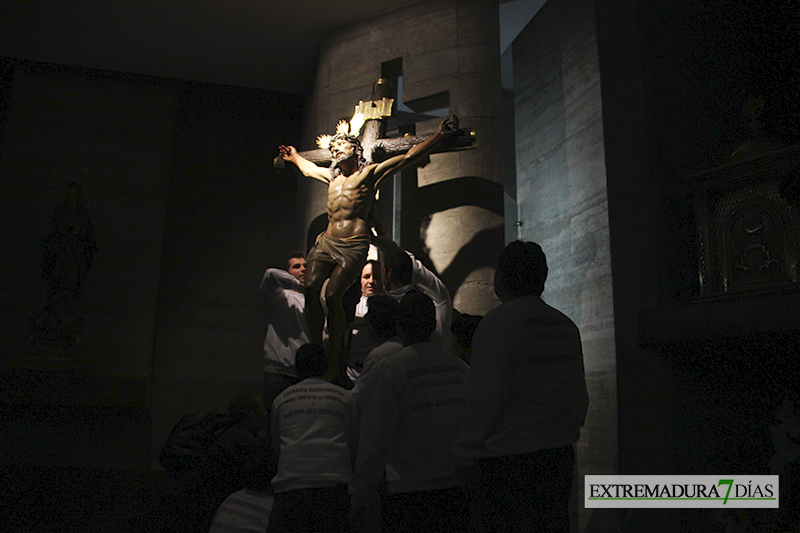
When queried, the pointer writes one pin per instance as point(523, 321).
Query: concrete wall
point(187, 214)
point(227, 217)
point(114, 135)
point(453, 209)
point(563, 200)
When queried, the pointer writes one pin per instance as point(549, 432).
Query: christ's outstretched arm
point(309, 169)
point(416, 153)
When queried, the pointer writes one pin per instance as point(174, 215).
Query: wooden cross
point(378, 148)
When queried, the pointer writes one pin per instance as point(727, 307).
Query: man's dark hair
point(294, 255)
point(383, 315)
point(375, 264)
point(358, 152)
point(417, 316)
point(463, 328)
point(311, 360)
point(524, 268)
point(400, 264)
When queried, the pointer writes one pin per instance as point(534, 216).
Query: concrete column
point(563, 202)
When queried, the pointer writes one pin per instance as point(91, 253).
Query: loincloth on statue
point(349, 253)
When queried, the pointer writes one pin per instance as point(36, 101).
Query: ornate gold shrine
point(746, 225)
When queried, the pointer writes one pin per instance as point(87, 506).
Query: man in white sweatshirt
point(287, 329)
point(405, 273)
point(314, 432)
point(526, 406)
point(411, 411)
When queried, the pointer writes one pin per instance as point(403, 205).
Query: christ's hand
point(288, 153)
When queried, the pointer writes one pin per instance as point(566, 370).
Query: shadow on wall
point(483, 249)
point(467, 190)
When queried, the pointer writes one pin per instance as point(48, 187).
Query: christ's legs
point(340, 280)
point(316, 274)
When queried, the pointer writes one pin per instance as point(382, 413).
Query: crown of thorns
point(347, 130)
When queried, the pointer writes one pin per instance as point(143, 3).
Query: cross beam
point(378, 148)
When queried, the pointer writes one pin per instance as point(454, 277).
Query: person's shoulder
point(429, 352)
point(402, 352)
point(321, 384)
point(390, 345)
point(556, 314)
point(343, 394)
point(429, 346)
point(304, 384)
point(512, 313)
point(421, 351)
point(502, 312)
point(452, 359)
point(393, 363)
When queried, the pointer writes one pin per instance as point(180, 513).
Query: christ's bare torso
point(350, 199)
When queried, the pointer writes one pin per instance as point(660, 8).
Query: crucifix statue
point(353, 178)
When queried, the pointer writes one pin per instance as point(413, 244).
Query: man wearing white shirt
point(404, 273)
point(287, 329)
point(526, 406)
point(411, 411)
point(314, 433)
